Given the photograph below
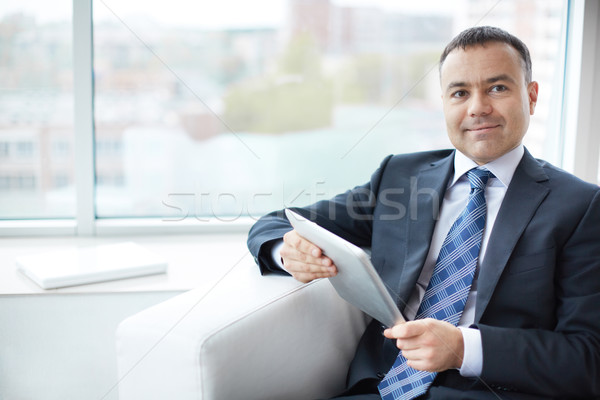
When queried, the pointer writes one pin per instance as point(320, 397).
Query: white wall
point(62, 346)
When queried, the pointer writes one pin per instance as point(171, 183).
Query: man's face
point(487, 103)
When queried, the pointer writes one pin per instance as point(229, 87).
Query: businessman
point(492, 255)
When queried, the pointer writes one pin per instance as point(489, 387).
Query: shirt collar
point(503, 167)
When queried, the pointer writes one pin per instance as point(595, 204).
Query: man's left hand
point(429, 344)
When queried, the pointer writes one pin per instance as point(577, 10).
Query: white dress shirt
point(455, 200)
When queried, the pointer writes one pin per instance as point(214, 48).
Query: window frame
point(580, 150)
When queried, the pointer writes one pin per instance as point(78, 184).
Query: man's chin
point(482, 155)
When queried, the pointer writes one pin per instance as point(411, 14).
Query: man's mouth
point(482, 128)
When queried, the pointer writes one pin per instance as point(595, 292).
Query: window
point(61, 149)
point(36, 99)
point(222, 114)
point(4, 149)
point(201, 113)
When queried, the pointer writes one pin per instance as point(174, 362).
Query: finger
point(424, 364)
point(306, 272)
point(298, 261)
point(295, 249)
point(421, 358)
point(293, 239)
point(413, 355)
point(405, 330)
point(419, 365)
point(292, 265)
point(290, 251)
point(304, 269)
point(306, 277)
point(388, 333)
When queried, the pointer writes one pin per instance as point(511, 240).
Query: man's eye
point(498, 88)
point(459, 93)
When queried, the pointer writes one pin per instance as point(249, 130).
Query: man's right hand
point(303, 260)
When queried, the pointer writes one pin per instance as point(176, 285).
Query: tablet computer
point(357, 282)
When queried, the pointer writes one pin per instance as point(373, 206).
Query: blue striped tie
point(448, 288)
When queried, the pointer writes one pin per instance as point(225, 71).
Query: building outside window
point(36, 109)
point(201, 113)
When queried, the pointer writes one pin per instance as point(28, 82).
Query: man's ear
point(532, 92)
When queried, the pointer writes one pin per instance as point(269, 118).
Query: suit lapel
point(426, 196)
point(522, 199)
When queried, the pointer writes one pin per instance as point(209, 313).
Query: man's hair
point(480, 35)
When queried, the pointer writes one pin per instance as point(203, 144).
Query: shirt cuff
point(473, 353)
point(275, 250)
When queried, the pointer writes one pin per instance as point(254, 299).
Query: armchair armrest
point(249, 337)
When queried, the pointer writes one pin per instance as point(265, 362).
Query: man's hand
point(304, 260)
point(429, 344)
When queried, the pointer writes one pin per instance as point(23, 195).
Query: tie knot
point(479, 178)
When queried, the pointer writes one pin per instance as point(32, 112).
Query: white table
point(59, 343)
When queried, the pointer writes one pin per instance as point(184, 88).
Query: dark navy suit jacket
point(538, 296)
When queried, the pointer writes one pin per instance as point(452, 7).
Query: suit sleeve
point(349, 215)
point(565, 361)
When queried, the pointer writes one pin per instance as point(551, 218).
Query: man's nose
point(479, 105)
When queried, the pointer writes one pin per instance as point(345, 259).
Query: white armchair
point(249, 337)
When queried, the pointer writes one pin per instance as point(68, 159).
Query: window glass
point(36, 110)
point(219, 109)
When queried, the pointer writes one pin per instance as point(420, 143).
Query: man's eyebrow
point(503, 77)
point(493, 79)
point(455, 84)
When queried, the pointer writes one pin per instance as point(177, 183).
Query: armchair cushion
point(249, 337)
